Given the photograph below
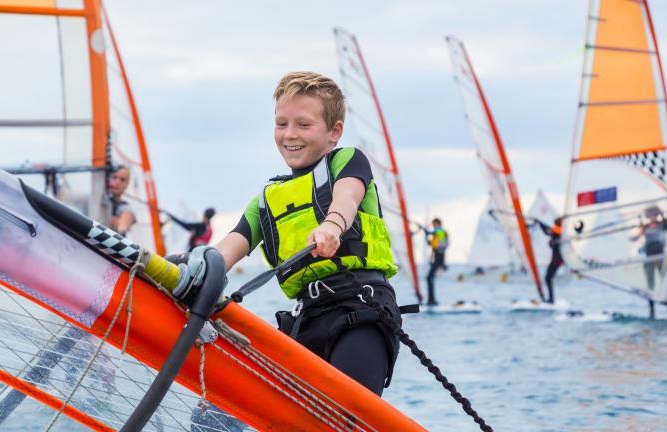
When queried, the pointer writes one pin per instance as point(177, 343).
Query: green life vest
point(289, 209)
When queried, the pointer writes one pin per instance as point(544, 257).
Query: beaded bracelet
point(335, 223)
point(341, 216)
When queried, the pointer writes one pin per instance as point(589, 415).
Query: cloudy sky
point(203, 74)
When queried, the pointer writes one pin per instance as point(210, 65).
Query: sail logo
point(596, 197)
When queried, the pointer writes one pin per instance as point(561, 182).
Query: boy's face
point(301, 133)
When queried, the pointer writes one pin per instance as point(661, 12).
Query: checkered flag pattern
point(651, 162)
point(113, 244)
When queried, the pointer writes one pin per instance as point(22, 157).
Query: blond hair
point(315, 85)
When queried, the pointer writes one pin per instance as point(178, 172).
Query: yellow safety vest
point(289, 210)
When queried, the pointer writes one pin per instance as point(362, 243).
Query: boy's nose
point(290, 131)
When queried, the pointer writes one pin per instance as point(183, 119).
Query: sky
point(203, 74)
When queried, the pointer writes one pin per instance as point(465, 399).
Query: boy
point(330, 199)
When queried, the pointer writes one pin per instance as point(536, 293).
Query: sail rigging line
point(307, 401)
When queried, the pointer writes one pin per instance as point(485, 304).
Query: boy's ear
point(336, 131)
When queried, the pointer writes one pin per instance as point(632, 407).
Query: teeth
point(293, 148)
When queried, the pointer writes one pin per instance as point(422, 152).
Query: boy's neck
point(298, 172)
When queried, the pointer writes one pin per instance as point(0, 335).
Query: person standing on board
point(200, 232)
point(121, 215)
point(653, 232)
point(554, 232)
point(329, 199)
point(438, 239)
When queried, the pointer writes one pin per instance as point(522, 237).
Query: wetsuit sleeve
point(351, 162)
point(124, 207)
point(190, 226)
point(249, 225)
point(546, 229)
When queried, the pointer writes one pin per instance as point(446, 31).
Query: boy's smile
point(301, 133)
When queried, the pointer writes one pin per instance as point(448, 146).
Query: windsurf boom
point(495, 166)
point(614, 225)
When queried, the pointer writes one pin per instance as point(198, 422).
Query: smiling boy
point(329, 199)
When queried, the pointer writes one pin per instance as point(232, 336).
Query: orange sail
point(495, 166)
point(617, 193)
point(373, 138)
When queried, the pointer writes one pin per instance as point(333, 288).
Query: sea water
point(527, 371)
point(522, 371)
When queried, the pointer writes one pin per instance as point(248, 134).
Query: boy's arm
point(347, 195)
point(233, 247)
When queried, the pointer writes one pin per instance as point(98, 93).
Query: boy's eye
point(304, 124)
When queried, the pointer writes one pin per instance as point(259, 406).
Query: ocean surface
point(522, 371)
point(527, 371)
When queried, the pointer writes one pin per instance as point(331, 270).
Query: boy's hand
point(327, 238)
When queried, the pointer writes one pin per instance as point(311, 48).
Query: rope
point(203, 404)
point(425, 361)
point(137, 267)
point(307, 401)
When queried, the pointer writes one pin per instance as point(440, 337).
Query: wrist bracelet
point(335, 223)
point(341, 216)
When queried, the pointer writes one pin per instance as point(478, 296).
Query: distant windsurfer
point(438, 239)
point(653, 233)
point(121, 216)
point(200, 232)
point(329, 200)
point(554, 232)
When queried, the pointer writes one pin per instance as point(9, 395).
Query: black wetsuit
point(556, 258)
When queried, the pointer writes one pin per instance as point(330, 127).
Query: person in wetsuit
point(554, 232)
point(121, 217)
point(438, 239)
point(200, 232)
point(653, 233)
point(329, 199)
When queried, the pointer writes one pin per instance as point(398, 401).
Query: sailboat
point(502, 188)
point(617, 195)
point(372, 136)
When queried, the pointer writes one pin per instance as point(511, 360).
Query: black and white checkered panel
point(113, 244)
point(651, 162)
